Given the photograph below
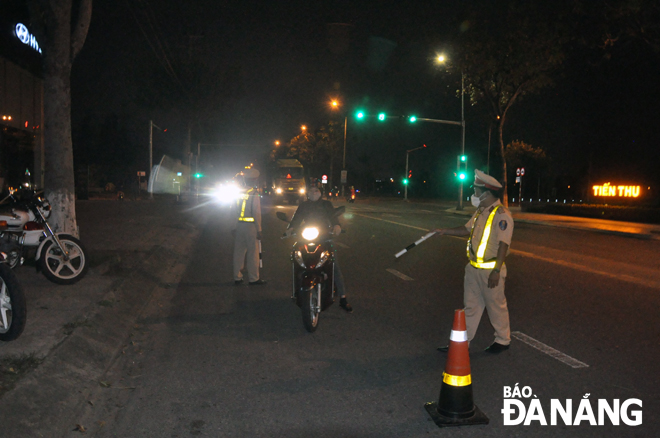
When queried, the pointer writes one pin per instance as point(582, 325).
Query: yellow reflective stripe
point(457, 380)
point(483, 265)
point(484, 239)
point(246, 219)
point(242, 217)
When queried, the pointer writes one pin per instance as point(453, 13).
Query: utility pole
point(151, 160)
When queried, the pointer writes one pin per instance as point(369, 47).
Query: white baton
point(261, 262)
point(412, 245)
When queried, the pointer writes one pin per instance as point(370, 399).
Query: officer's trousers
point(477, 297)
point(245, 242)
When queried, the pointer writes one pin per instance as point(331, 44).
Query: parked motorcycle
point(60, 257)
point(313, 261)
point(13, 309)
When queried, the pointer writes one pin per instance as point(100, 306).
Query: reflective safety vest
point(242, 217)
point(482, 244)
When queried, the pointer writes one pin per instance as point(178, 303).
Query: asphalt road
point(212, 359)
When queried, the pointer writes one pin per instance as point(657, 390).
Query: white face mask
point(476, 200)
point(314, 196)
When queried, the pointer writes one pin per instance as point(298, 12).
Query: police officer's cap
point(483, 180)
point(250, 173)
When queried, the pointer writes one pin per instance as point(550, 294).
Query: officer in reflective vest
point(490, 230)
point(247, 231)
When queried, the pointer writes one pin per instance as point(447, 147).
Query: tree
point(510, 50)
point(62, 36)
point(520, 154)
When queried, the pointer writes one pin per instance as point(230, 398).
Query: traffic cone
point(455, 406)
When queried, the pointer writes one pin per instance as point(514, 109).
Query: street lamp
point(441, 60)
point(406, 181)
point(303, 128)
point(335, 105)
point(277, 142)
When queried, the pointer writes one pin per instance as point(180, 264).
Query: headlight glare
point(278, 191)
point(310, 233)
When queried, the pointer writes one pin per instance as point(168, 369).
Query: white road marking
point(623, 277)
point(343, 245)
point(390, 215)
point(568, 360)
point(399, 274)
point(391, 222)
point(427, 211)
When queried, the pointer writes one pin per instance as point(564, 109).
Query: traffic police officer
point(247, 231)
point(490, 230)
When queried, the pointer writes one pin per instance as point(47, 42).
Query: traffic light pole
point(405, 186)
point(460, 189)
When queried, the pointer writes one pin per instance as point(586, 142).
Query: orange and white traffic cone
point(455, 406)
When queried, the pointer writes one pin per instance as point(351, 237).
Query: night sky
point(275, 66)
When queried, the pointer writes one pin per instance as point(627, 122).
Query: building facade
point(21, 99)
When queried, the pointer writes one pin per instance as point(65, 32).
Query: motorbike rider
point(316, 209)
point(247, 230)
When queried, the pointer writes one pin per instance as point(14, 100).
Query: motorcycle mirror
point(282, 216)
point(339, 211)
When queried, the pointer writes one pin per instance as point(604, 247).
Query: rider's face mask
point(314, 195)
point(476, 200)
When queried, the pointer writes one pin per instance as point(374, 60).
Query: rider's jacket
point(320, 211)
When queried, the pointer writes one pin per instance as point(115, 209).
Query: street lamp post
point(343, 163)
point(151, 148)
point(405, 186)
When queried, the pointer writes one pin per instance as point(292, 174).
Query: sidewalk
point(73, 333)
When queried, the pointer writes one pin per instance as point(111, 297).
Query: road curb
point(48, 401)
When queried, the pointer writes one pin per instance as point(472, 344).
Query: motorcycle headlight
point(302, 191)
point(310, 233)
point(324, 258)
point(297, 256)
point(226, 193)
point(278, 191)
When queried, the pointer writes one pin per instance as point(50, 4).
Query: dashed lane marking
point(566, 359)
point(343, 245)
point(399, 274)
point(391, 222)
point(629, 278)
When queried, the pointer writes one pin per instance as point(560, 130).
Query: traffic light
point(405, 182)
point(198, 175)
point(412, 119)
point(463, 158)
point(360, 115)
point(382, 117)
point(462, 175)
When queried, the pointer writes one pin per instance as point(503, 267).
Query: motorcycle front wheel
point(56, 268)
point(13, 310)
point(310, 309)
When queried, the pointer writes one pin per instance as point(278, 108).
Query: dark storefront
point(21, 99)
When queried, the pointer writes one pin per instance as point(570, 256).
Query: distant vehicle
point(288, 181)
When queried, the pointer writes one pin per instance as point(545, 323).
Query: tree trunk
point(58, 150)
point(505, 194)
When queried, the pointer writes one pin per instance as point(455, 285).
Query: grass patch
point(13, 368)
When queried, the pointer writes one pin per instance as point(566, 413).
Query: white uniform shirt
point(501, 230)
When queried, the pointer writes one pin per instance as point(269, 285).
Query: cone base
point(442, 421)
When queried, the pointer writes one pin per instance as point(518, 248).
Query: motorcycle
point(312, 262)
point(13, 309)
point(60, 257)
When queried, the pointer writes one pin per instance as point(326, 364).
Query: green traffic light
point(463, 158)
point(360, 115)
point(412, 119)
point(462, 176)
point(381, 116)
point(198, 175)
point(405, 181)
